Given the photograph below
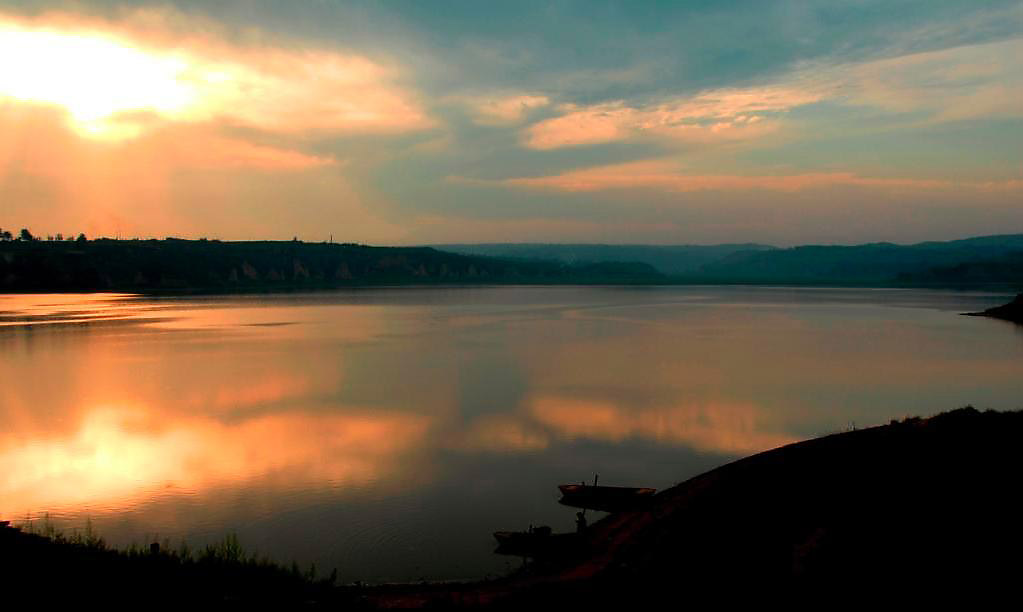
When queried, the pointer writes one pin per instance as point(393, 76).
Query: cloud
point(223, 153)
point(666, 175)
point(580, 126)
point(552, 227)
point(969, 82)
point(977, 81)
point(711, 116)
point(503, 109)
point(172, 68)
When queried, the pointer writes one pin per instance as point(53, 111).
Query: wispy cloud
point(979, 81)
point(969, 82)
point(498, 109)
point(549, 228)
point(718, 115)
point(668, 175)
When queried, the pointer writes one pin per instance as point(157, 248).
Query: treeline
point(174, 265)
point(26, 236)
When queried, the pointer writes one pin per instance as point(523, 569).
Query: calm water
point(388, 432)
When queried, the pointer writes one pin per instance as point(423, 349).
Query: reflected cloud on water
point(118, 458)
point(727, 429)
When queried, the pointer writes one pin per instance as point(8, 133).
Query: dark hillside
point(980, 262)
point(1013, 311)
point(1006, 269)
point(678, 260)
point(201, 265)
point(881, 263)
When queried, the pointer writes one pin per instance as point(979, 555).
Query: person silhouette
point(580, 521)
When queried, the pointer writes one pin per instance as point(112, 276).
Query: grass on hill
point(54, 566)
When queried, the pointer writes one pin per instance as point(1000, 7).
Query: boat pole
point(595, 477)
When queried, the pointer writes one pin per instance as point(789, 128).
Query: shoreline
point(1007, 289)
point(1013, 311)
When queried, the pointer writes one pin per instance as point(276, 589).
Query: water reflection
point(41, 309)
point(500, 433)
point(718, 428)
point(403, 426)
point(118, 458)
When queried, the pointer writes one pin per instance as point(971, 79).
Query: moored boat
point(607, 499)
point(537, 542)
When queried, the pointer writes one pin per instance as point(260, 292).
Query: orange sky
point(172, 120)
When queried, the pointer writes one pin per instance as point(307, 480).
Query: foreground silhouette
point(56, 568)
point(1013, 311)
point(921, 508)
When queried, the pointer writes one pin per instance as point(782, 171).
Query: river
point(389, 432)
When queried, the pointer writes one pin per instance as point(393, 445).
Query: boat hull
point(532, 544)
point(607, 499)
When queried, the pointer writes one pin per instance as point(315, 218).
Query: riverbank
point(1013, 311)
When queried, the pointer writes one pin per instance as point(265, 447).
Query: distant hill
point(879, 263)
point(985, 261)
point(174, 265)
point(675, 260)
point(974, 272)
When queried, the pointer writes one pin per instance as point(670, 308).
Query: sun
point(100, 81)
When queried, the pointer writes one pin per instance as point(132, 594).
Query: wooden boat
point(537, 542)
point(607, 499)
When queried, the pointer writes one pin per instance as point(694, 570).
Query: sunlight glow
point(120, 457)
point(115, 82)
point(94, 78)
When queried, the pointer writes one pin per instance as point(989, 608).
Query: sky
point(411, 122)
